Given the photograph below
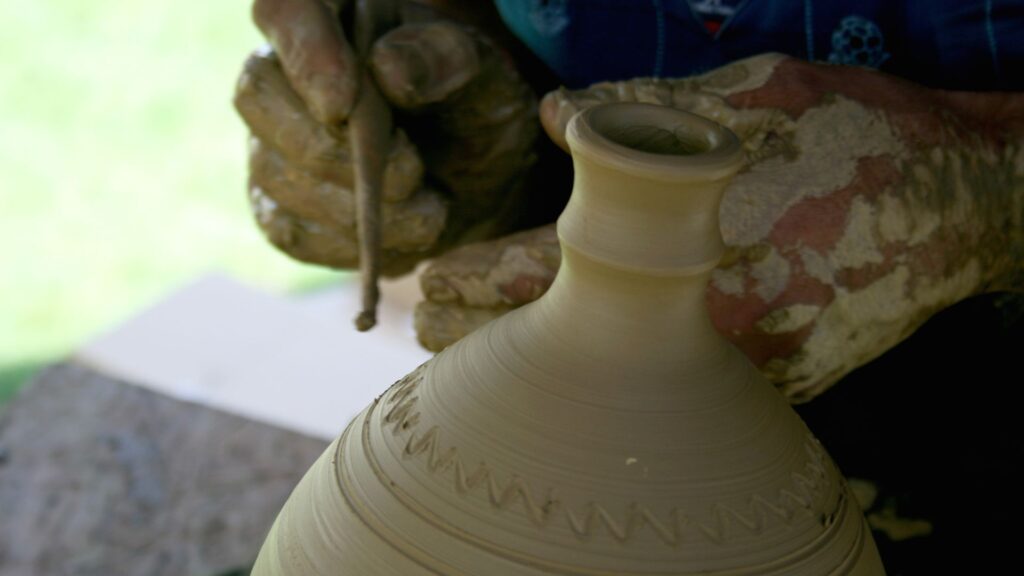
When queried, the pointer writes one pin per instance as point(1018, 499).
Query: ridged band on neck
point(648, 183)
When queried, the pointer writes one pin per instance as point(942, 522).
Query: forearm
point(998, 178)
point(902, 201)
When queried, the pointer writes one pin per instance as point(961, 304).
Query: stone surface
point(100, 477)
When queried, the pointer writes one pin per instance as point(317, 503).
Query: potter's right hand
point(466, 119)
point(868, 203)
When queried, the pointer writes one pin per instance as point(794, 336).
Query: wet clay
point(476, 129)
point(301, 180)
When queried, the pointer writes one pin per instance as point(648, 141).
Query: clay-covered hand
point(466, 127)
point(868, 204)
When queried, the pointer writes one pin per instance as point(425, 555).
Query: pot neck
point(648, 184)
point(662, 316)
point(639, 239)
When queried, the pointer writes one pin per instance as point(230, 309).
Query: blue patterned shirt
point(955, 44)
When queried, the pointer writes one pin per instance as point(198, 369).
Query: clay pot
point(605, 429)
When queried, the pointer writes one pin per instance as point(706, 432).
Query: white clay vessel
point(605, 429)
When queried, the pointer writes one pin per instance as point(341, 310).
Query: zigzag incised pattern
point(505, 491)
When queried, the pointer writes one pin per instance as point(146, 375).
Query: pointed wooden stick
point(370, 128)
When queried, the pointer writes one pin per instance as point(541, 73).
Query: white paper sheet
point(295, 363)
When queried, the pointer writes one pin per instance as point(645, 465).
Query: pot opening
point(655, 142)
point(658, 140)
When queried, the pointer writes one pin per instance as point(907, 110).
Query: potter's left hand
point(465, 118)
point(868, 204)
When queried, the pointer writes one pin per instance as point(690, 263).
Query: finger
point(421, 64)
point(302, 239)
point(507, 272)
point(712, 95)
point(559, 106)
point(555, 111)
point(309, 241)
point(413, 225)
point(278, 117)
point(404, 172)
point(441, 325)
point(471, 113)
point(315, 53)
point(298, 191)
point(275, 113)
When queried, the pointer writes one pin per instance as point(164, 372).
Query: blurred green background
point(123, 168)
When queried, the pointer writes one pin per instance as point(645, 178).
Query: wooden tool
point(370, 126)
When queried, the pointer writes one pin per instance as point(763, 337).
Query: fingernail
point(400, 71)
point(548, 110)
point(329, 98)
point(555, 111)
point(424, 64)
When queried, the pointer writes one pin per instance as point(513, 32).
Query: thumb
point(417, 65)
point(467, 108)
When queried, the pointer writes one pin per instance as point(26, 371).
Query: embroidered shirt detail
point(714, 12)
point(858, 41)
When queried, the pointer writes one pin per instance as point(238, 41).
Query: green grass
point(123, 167)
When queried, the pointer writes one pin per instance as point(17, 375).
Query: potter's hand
point(316, 56)
point(867, 205)
point(466, 119)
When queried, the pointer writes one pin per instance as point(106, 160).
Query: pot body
point(605, 429)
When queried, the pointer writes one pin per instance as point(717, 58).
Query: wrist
point(964, 168)
point(993, 157)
